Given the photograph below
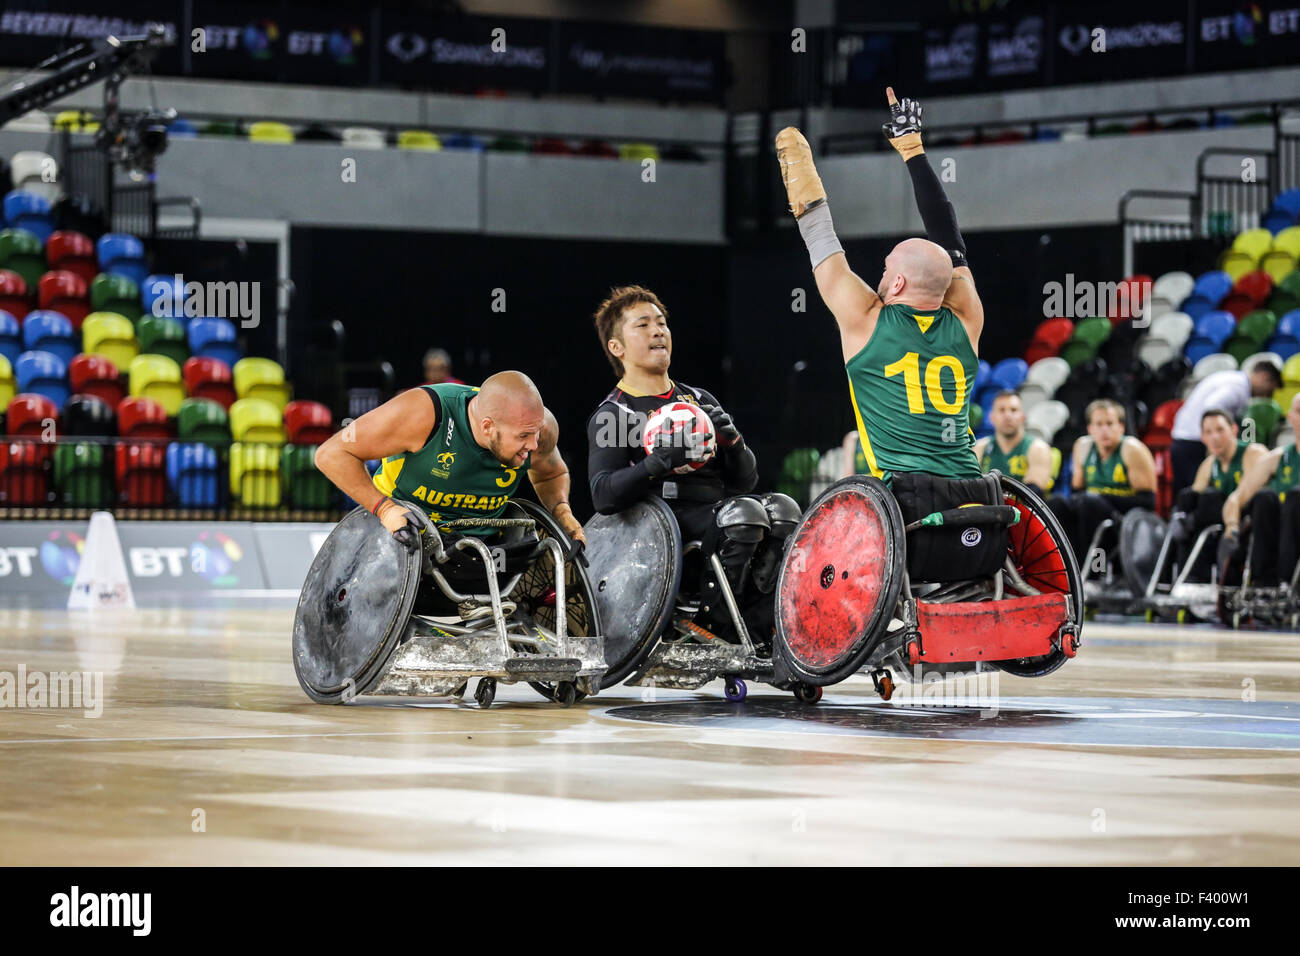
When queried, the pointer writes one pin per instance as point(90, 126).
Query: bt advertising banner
point(275, 43)
point(1234, 36)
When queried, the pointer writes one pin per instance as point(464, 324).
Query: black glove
point(904, 118)
point(724, 429)
point(1228, 545)
point(409, 537)
point(577, 552)
point(665, 459)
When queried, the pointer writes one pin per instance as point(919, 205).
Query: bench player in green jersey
point(1112, 473)
point(1011, 449)
point(1200, 505)
point(455, 451)
point(1269, 493)
point(910, 344)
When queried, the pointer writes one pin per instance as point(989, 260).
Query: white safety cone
point(101, 580)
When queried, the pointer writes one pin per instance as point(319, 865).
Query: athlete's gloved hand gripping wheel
point(399, 520)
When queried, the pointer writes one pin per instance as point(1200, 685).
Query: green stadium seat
point(116, 293)
point(21, 252)
point(82, 475)
point(1094, 331)
point(1267, 415)
point(162, 336)
point(304, 484)
point(203, 420)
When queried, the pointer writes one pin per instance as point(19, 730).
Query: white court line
point(362, 733)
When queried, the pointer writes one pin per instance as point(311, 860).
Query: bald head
point(918, 272)
point(508, 415)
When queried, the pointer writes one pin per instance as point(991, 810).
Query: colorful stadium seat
point(119, 253)
point(209, 378)
point(1256, 286)
point(162, 337)
point(1236, 264)
point(8, 387)
point(21, 252)
point(256, 420)
point(73, 252)
point(33, 170)
point(1278, 265)
point(308, 423)
point(98, 376)
point(418, 139)
point(81, 475)
point(141, 470)
point(193, 472)
point(65, 292)
point(1288, 241)
point(363, 137)
point(638, 151)
point(11, 337)
point(41, 373)
point(1009, 373)
point(1048, 374)
point(1216, 326)
point(139, 417)
point(1173, 287)
point(214, 338)
point(24, 479)
point(13, 294)
point(29, 211)
point(269, 131)
point(1077, 351)
point(304, 485)
point(159, 378)
point(255, 474)
point(261, 378)
point(1253, 243)
point(1212, 286)
point(203, 420)
point(1054, 332)
point(1291, 371)
point(113, 292)
point(49, 331)
point(31, 415)
point(162, 295)
point(1260, 420)
point(110, 335)
point(597, 149)
point(85, 416)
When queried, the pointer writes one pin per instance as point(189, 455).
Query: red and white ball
point(685, 424)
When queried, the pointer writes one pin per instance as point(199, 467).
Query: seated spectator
point(437, 368)
point(1011, 449)
point(1228, 390)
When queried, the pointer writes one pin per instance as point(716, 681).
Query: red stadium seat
point(1162, 424)
point(13, 294)
point(307, 423)
point(27, 415)
point(142, 474)
point(98, 376)
point(1238, 304)
point(1039, 350)
point(65, 292)
point(74, 252)
point(143, 418)
point(24, 474)
point(597, 149)
point(1256, 286)
point(552, 147)
point(1129, 304)
point(209, 378)
point(1054, 332)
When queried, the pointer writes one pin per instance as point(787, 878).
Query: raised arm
point(904, 133)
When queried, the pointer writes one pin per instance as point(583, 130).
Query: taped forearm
point(818, 233)
point(936, 211)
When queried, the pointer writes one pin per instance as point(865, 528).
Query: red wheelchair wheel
point(840, 580)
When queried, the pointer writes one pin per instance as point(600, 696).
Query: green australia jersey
point(1287, 475)
point(1106, 476)
point(452, 476)
point(1227, 479)
point(1014, 463)
point(860, 466)
point(910, 387)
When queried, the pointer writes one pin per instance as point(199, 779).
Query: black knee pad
point(742, 519)
point(783, 513)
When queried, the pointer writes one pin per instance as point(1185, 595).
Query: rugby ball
point(685, 424)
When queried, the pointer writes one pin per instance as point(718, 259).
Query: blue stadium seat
point(122, 254)
point(1214, 286)
point(1277, 220)
point(41, 373)
point(982, 376)
point(157, 287)
point(1289, 201)
point(181, 128)
point(24, 210)
point(49, 331)
point(1217, 326)
point(11, 339)
point(214, 338)
point(1289, 324)
point(193, 472)
point(1284, 345)
point(1196, 306)
point(1010, 373)
point(1198, 347)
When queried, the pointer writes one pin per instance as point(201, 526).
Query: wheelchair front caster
point(1150, 615)
point(884, 683)
point(566, 693)
point(485, 692)
point(807, 693)
point(735, 690)
point(1183, 616)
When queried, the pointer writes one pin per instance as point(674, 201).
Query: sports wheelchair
point(389, 614)
point(862, 589)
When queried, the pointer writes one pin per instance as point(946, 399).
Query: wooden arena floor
point(1157, 745)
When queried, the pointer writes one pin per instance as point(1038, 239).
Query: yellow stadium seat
point(75, 121)
point(7, 385)
point(269, 131)
point(418, 139)
point(255, 474)
point(1236, 264)
point(638, 151)
point(1291, 373)
point(110, 335)
point(261, 378)
point(256, 420)
point(158, 377)
point(1285, 395)
point(1254, 243)
point(1278, 264)
point(1056, 467)
point(1288, 240)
